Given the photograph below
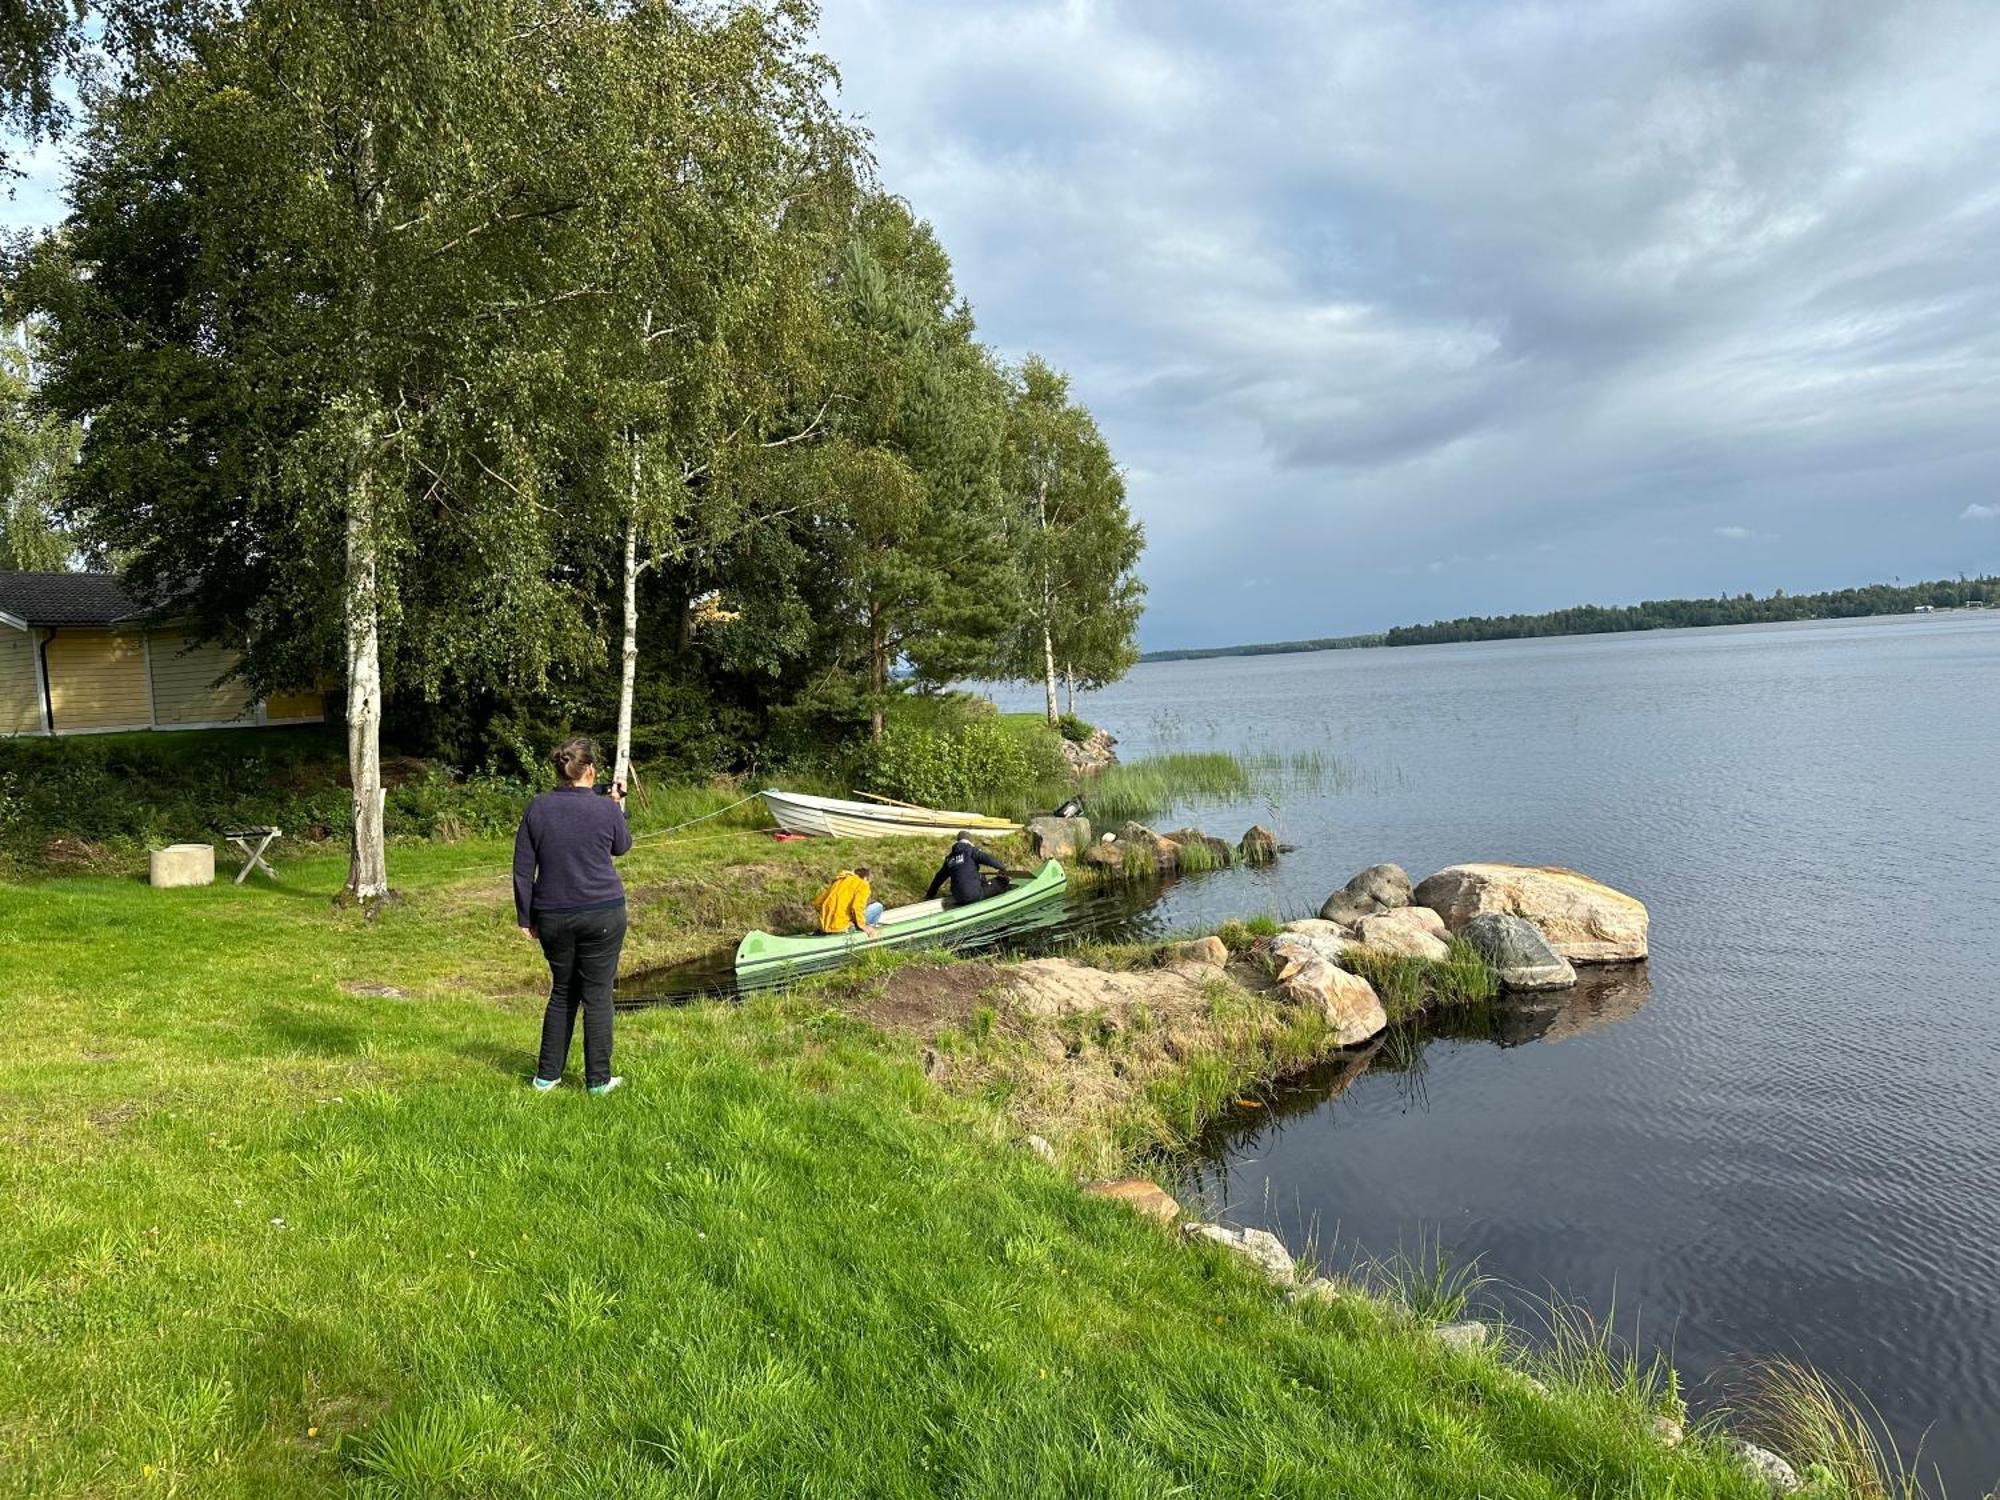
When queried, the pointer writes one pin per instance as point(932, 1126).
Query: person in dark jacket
point(568, 897)
point(961, 868)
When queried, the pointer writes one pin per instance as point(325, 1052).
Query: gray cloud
point(1365, 290)
point(1366, 287)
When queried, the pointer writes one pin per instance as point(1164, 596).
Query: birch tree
point(1077, 542)
point(703, 228)
point(315, 261)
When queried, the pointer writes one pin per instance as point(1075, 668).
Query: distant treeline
point(1269, 648)
point(1654, 614)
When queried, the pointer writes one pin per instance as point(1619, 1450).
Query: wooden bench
point(253, 859)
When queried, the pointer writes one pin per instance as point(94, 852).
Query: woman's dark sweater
point(563, 853)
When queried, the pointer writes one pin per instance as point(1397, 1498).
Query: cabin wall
point(186, 689)
point(98, 680)
point(307, 707)
point(105, 680)
point(20, 682)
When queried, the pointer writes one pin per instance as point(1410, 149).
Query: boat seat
point(907, 913)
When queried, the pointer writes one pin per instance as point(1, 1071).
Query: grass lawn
point(269, 1236)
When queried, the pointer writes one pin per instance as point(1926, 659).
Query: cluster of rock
point(1532, 925)
point(1136, 845)
point(1092, 754)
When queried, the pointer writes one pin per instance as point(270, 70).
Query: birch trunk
point(621, 766)
point(1048, 605)
point(368, 866)
point(1069, 691)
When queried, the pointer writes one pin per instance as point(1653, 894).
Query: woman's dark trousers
point(582, 949)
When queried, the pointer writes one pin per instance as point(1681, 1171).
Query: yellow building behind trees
point(79, 656)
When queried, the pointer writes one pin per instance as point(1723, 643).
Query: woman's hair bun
point(573, 757)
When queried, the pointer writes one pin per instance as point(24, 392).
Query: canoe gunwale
point(818, 950)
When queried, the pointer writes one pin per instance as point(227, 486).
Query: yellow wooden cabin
point(79, 656)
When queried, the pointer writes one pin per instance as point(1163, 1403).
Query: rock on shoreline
point(1583, 920)
point(1531, 924)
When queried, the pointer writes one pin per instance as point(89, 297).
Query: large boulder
point(1258, 846)
point(1137, 1194)
point(1051, 988)
point(1211, 951)
point(1407, 932)
point(1517, 952)
point(1377, 889)
point(1349, 1002)
point(1260, 1247)
point(1166, 853)
point(1583, 920)
point(1090, 755)
point(1318, 927)
point(1331, 945)
point(1058, 838)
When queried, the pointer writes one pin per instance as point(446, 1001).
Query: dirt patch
point(1105, 1063)
point(368, 987)
point(112, 1118)
point(67, 853)
point(923, 1000)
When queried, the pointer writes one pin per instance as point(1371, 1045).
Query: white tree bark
point(368, 866)
point(621, 765)
point(1069, 691)
point(1048, 603)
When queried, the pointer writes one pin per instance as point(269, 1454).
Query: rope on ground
point(661, 833)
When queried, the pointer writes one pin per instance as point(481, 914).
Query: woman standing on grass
point(567, 896)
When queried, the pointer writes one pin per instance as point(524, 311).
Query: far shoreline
point(1362, 645)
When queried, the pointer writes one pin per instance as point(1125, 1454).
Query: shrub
point(138, 789)
point(985, 763)
point(1073, 729)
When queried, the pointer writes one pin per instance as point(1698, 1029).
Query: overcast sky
point(1396, 309)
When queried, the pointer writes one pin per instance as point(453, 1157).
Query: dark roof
point(65, 598)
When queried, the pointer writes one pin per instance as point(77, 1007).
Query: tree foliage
point(413, 335)
point(37, 455)
point(1079, 547)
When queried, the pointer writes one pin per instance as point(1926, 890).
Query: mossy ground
point(269, 1236)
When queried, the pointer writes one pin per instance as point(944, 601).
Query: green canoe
point(762, 954)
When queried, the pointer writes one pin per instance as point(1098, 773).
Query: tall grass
point(1144, 788)
point(1408, 986)
point(1575, 1348)
point(1427, 1282)
point(1839, 1439)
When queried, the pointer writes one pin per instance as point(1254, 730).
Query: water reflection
point(1602, 996)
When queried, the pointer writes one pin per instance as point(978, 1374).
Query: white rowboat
point(834, 817)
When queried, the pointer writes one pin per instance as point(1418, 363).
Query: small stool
point(253, 858)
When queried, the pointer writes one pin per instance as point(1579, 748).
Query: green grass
point(1837, 1437)
point(1408, 986)
point(269, 1237)
point(1238, 935)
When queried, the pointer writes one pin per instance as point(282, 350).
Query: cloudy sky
point(1395, 309)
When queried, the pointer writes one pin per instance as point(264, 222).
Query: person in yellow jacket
point(848, 903)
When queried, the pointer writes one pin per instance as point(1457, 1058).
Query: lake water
point(1781, 1137)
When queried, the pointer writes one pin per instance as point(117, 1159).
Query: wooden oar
point(895, 802)
point(974, 819)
